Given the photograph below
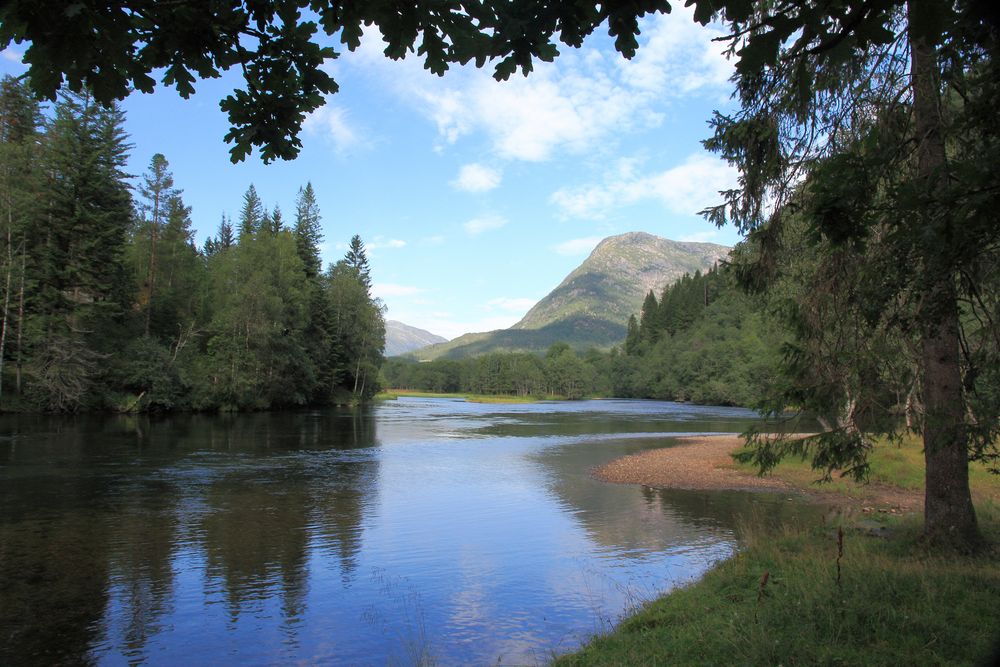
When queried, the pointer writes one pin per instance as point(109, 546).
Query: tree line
point(561, 373)
point(704, 340)
point(107, 303)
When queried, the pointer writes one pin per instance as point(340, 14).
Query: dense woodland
point(108, 304)
point(704, 340)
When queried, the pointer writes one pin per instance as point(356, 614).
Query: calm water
point(423, 529)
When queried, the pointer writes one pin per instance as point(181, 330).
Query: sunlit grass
point(899, 465)
point(896, 603)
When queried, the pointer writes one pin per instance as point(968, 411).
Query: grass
point(897, 601)
point(899, 465)
point(393, 394)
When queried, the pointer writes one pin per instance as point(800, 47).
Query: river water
point(416, 531)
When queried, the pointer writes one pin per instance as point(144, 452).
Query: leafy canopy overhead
point(281, 46)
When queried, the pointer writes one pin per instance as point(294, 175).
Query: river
point(416, 531)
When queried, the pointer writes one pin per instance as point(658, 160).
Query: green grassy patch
point(899, 465)
point(896, 603)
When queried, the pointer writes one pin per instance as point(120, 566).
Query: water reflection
point(463, 532)
point(99, 517)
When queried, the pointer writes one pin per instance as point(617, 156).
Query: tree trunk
point(20, 318)
point(949, 517)
point(6, 305)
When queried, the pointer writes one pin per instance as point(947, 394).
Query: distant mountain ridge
point(402, 338)
point(591, 306)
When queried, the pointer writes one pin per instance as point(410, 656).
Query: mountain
point(402, 338)
point(591, 306)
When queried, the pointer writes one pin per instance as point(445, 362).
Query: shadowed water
point(421, 530)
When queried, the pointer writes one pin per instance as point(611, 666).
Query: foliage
point(704, 341)
point(867, 126)
point(561, 372)
point(109, 304)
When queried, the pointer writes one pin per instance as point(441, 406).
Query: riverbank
point(858, 588)
point(706, 463)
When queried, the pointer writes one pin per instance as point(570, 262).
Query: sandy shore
point(700, 462)
point(705, 463)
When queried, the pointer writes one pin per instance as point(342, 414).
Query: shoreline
point(704, 463)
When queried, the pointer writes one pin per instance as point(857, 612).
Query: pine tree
point(251, 215)
point(357, 260)
point(308, 234)
point(647, 322)
point(632, 338)
point(78, 262)
point(224, 238)
point(156, 190)
point(275, 223)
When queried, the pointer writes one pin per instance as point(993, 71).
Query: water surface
point(418, 530)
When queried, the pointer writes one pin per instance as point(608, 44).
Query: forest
point(107, 304)
point(705, 340)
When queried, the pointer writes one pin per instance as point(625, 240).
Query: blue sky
point(475, 198)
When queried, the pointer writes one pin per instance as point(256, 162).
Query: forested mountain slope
point(591, 306)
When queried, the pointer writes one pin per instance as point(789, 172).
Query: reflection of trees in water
point(262, 519)
point(255, 535)
point(617, 516)
point(91, 518)
point(53, 581)
point(145, 532)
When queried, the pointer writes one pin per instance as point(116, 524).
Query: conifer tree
point(251, 215)
point(357, 260)
point(78, 263)
point(647, 321)
point(308, 234)
point(224, 238)
point(157, 189)
point(275, 223)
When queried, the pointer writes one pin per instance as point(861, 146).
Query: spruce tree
point(275, 223)
point(357, 260)
point(156, 190)
point(78, 263)
point(224, 238)
point(251, 215)
point(308, 234)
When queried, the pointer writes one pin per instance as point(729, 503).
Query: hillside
point(402, 338)
point(591, 306)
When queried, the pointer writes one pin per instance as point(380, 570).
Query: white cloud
point(576, 104)
point(484, 224)
point(333, 124)
point(13, 56)
point(476, 178)
point(435, 240)
point(518, 305)
point(678, 55)
point(389, 290)
point(577, 246)
point(380, 242)
point(682, 190)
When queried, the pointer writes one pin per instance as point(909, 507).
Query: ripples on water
point(421, 530)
